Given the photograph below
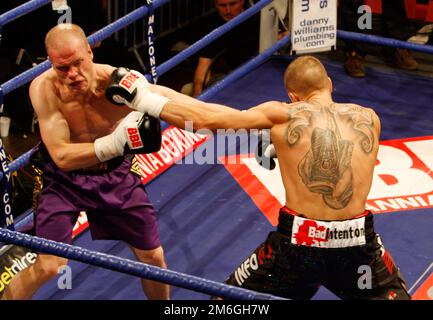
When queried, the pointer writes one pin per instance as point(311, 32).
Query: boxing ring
point(209, 225)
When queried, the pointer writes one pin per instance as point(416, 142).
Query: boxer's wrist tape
point(150, 103)
point(105, 148)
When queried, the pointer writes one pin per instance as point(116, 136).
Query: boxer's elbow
point(64, 161)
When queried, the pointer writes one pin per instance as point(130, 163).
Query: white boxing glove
point(131, 136)
point(130, 87)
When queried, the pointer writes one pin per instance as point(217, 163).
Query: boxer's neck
point(321, 97)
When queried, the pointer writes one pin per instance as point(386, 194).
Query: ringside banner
point(13, 260)
point(313, 25)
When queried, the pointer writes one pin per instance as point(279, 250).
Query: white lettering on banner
point(402, 180)
point(401, 203)
point(314, 25)
point(3, 156)
point(176, 143)
point(150, 42)
point(10, 270)
point(423, 149)
point(155, 161)
point(395, 176)
point(9, 219)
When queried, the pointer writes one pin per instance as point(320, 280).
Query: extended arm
point(132, 89)
point(214, 117)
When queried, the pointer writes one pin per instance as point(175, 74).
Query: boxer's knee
point(154, 257)
point(47, 266)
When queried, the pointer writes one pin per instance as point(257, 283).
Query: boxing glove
point(136, 133)
point(131, 88)
point(265, 152)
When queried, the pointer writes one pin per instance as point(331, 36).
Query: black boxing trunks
point(112, 195)
point(347, 257)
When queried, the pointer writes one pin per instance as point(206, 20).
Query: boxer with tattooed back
point(326, 154)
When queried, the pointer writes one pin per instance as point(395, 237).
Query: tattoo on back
point(326, 167)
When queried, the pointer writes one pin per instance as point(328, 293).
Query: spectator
point(393, 25)
point(227, 52)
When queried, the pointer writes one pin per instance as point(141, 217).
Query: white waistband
point(328, 234)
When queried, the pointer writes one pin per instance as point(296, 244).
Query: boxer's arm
point(213, 116)
point(55, 132)
point(131, 88)
point(185, 99)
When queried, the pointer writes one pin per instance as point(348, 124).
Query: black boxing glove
point(131, 88)
point(136, 133)
point(265, 152)
point(150, 132)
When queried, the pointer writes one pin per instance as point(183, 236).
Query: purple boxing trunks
point(114, 198)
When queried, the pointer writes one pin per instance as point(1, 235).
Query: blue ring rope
point(105, 32)
point(388, 42)
point(98, 36)
point(20, 162)
point(131, 267)
point(241, 71)
point(212, 36)
point(245, 68)
point(21, 10)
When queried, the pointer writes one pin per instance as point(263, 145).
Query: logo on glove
point(134, 139)
point(128, 81)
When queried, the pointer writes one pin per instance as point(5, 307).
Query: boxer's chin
point(80, 85)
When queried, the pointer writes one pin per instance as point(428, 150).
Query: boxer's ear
point(293, 97)
point(331, 86)
point(90, 52)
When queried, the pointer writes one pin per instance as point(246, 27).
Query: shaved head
point(305, 75)
point(63, 35)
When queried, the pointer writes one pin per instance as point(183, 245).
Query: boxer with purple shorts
point(88, 142)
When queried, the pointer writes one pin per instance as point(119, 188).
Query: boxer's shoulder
point(43, 86)
point(104, 70)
